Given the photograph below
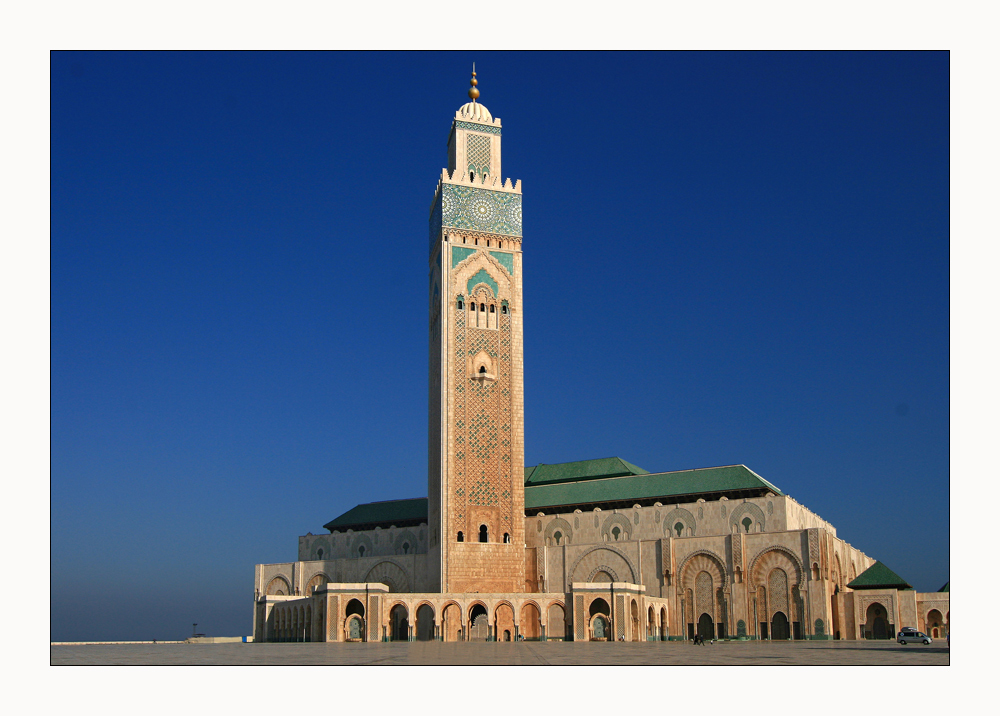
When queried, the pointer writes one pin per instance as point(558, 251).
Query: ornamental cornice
point(477, 127)
point(475, 234)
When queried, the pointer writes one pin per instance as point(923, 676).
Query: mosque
point(590, 550)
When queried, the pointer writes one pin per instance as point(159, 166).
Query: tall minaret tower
point(476, 436)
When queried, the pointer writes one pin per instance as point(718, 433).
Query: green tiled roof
point(586, 482)
point(945, 587)
point(397, 512)
point(581, 470)
point(878, 576)
point(647, 486)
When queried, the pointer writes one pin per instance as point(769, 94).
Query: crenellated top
point(485, 181)
point(473, 203)
point(471, 194)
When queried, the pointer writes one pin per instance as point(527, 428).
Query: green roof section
point(945, 587)
point(644, 486)
point(371, 514)
point(543, 474)
point(878, 576)
point(603, 481)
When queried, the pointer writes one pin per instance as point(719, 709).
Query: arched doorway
point(451, 623)
point(425, 623)
point(479, 623)
point(355, 627)
point(706, 627)
point(530, 622)
point(599, 628)
point(935, 624)
point(399, 625)
point(779, 626)
point(600, 623)
point(504, 622)
point(556, 628)
point(877, 623)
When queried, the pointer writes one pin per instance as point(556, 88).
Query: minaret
point(476, 431)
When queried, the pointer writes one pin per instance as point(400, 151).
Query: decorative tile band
point(466, 207)
point(477, 127)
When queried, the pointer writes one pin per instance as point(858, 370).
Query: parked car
point(908, 636)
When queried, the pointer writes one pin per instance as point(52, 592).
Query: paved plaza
point(807, 653)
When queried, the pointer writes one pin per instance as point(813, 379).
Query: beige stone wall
point(399, 541)
point(799, 517)
point(408, 574)
point(697, 519)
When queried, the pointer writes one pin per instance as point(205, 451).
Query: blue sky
point(729, 258)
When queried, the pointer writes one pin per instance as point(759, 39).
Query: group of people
point(700, 640)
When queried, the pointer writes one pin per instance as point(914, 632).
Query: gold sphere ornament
point(473, 92)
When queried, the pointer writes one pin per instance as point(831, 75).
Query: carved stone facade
point(724, 558)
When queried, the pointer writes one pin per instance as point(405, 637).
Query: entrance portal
point(706, 628)
point(779, 626)
point(479, 623)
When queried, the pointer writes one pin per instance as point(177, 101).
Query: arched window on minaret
point(483, 534)
point(461, 537)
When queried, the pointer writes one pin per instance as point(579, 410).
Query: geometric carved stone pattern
point(774, 556)
point(477, 154)
point(813, 547)
point(389, 574)
point(374, 620)
point(278, 586)
point(316, 581)
point(884, 599)
point(777, 585)
point(703, 594)
point(482, 418)
point(580, 619)
point(619, 616)
point(702, 561)
point(608, 558)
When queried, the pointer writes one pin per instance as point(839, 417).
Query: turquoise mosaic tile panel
point(467, 207)
point(506, 260)
point(460, 254)
point(477, 127)
point(482, 277)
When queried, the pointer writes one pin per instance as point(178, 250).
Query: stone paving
point(811, 653)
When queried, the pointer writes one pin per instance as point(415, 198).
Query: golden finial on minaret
point(473, 92)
